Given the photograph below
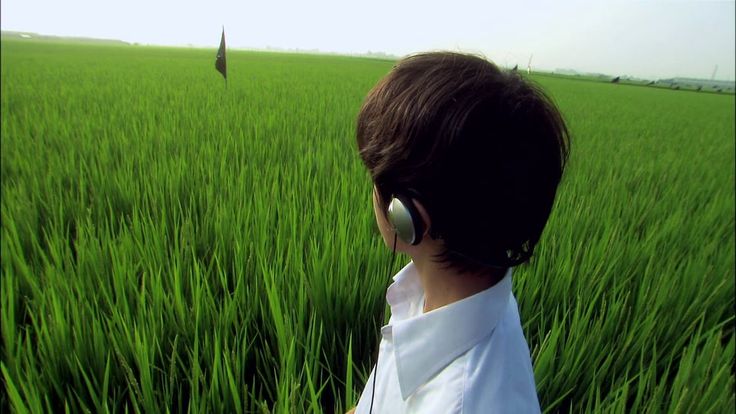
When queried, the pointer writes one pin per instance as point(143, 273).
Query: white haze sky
point(650, 39)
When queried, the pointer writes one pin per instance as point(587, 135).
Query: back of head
point(481, 148)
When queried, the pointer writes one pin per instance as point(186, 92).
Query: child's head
point(480, 150)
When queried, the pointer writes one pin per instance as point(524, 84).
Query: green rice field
point(170, 244)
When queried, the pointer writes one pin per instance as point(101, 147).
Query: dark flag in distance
point(220, 62)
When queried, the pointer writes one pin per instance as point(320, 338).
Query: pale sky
point(650, 39)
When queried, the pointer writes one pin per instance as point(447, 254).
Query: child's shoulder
point(499, 370)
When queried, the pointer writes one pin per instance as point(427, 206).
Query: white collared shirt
point(466, 357)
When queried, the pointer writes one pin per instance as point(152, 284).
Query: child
point(465, 159)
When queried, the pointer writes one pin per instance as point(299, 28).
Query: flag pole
point(223, 52)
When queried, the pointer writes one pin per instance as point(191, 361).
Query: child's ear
point(427, 221)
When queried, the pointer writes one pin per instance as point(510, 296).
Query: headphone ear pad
point(405, 219)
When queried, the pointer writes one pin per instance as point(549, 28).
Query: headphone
point(405, 219)
point(407, 223)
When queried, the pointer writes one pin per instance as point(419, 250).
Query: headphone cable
point(383, 315)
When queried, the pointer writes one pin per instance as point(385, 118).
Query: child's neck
point(443, 286)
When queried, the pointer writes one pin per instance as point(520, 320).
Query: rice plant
point(172, 245)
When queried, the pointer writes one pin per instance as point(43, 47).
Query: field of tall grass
point(172, 245)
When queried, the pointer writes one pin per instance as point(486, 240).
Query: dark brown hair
point(482, 149)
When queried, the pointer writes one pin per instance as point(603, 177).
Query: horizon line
point(373, 54)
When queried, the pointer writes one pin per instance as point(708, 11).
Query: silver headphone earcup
point(399, 216)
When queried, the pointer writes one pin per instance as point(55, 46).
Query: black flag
point(220, 63)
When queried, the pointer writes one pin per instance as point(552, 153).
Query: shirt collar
point(424, 343)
